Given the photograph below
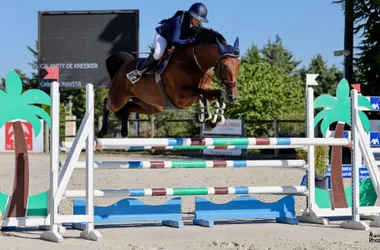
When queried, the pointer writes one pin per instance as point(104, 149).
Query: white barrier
point(59, 180)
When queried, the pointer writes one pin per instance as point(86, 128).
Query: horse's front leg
point(220, 106)
point(187, 95)
point(204, 112)
point(220, 97)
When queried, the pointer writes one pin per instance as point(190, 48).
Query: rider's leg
point(159, 45)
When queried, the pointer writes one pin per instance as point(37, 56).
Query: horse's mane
point(209, 36)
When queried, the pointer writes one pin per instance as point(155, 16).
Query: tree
point(252, 55)
point(24, 79)
point(367, 14)
point(177, 129)
point(265, 92)
point(328, 77)
point(363, 18)
point(277, 55)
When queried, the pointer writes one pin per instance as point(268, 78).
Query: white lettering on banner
point(375, 141)
point(85, 66)
point(63, 84)
point(230, 127)
point(375, 106)
point(226, 152)
point(363, 171)
point(70, 84)
point(71, 65)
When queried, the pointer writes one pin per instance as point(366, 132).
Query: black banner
point(79, 42)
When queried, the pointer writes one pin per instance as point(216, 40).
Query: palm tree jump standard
point(16, 106)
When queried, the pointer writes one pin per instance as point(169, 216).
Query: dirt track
point(257, 234)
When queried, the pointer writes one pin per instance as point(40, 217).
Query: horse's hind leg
point(123, 116)
point(104, 130)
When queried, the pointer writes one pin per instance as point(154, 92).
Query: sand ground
point(251, 234)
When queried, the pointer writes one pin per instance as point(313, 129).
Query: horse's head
point(215, 52)
point(226, 68)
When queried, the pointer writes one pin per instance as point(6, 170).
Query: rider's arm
point(176, 36)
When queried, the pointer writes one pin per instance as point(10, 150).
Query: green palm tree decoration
point(339, 110)
point(16, 106)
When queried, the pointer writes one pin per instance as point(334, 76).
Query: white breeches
point(159, 44)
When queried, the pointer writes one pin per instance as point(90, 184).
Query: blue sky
point(306, 27)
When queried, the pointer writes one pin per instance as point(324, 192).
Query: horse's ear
point(236, 44)
point(220, 46)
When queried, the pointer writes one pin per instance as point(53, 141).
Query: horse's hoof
point(215, 118)
point(209, 116)
point(198, 121)
point(209, 125)
point(221, 120)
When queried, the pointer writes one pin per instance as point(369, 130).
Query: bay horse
point(185, 79)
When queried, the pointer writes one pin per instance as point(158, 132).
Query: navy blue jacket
point(177, 33)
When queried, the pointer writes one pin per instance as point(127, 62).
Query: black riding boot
point(148, 62)
point(135, 75)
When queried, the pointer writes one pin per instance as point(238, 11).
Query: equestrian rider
point(178, 31)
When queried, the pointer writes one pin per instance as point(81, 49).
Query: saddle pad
point(158, 69)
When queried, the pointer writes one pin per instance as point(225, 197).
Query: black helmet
point(199, 12)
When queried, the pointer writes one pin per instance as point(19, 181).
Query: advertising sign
point(79, 42)
point(230, 127)
point(33, 144)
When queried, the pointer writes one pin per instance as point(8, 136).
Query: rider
point(178, 31)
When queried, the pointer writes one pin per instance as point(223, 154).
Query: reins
point(200, 67)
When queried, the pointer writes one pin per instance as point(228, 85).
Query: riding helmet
point(199, 12)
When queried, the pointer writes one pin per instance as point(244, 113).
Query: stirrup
point(134, 76)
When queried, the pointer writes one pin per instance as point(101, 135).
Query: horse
point(182, 78)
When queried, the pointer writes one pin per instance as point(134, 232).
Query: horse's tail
point(115, 61)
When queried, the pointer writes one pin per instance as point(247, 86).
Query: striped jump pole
point(194, 164)
point(131, 148)
point(191, 142)
point(275, 190)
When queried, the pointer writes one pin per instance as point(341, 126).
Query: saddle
point(157, 70)
point(160, 66)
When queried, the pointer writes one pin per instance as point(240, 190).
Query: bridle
point(217, 63)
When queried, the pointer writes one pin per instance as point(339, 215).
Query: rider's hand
point(192, 40)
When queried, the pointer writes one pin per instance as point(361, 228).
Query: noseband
point(218, 62)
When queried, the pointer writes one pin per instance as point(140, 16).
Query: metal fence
point(144, 128)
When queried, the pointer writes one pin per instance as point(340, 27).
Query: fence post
point(152, 130)
point(137, 117)
point(275, 126)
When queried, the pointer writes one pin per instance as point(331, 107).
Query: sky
point(306, 27)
